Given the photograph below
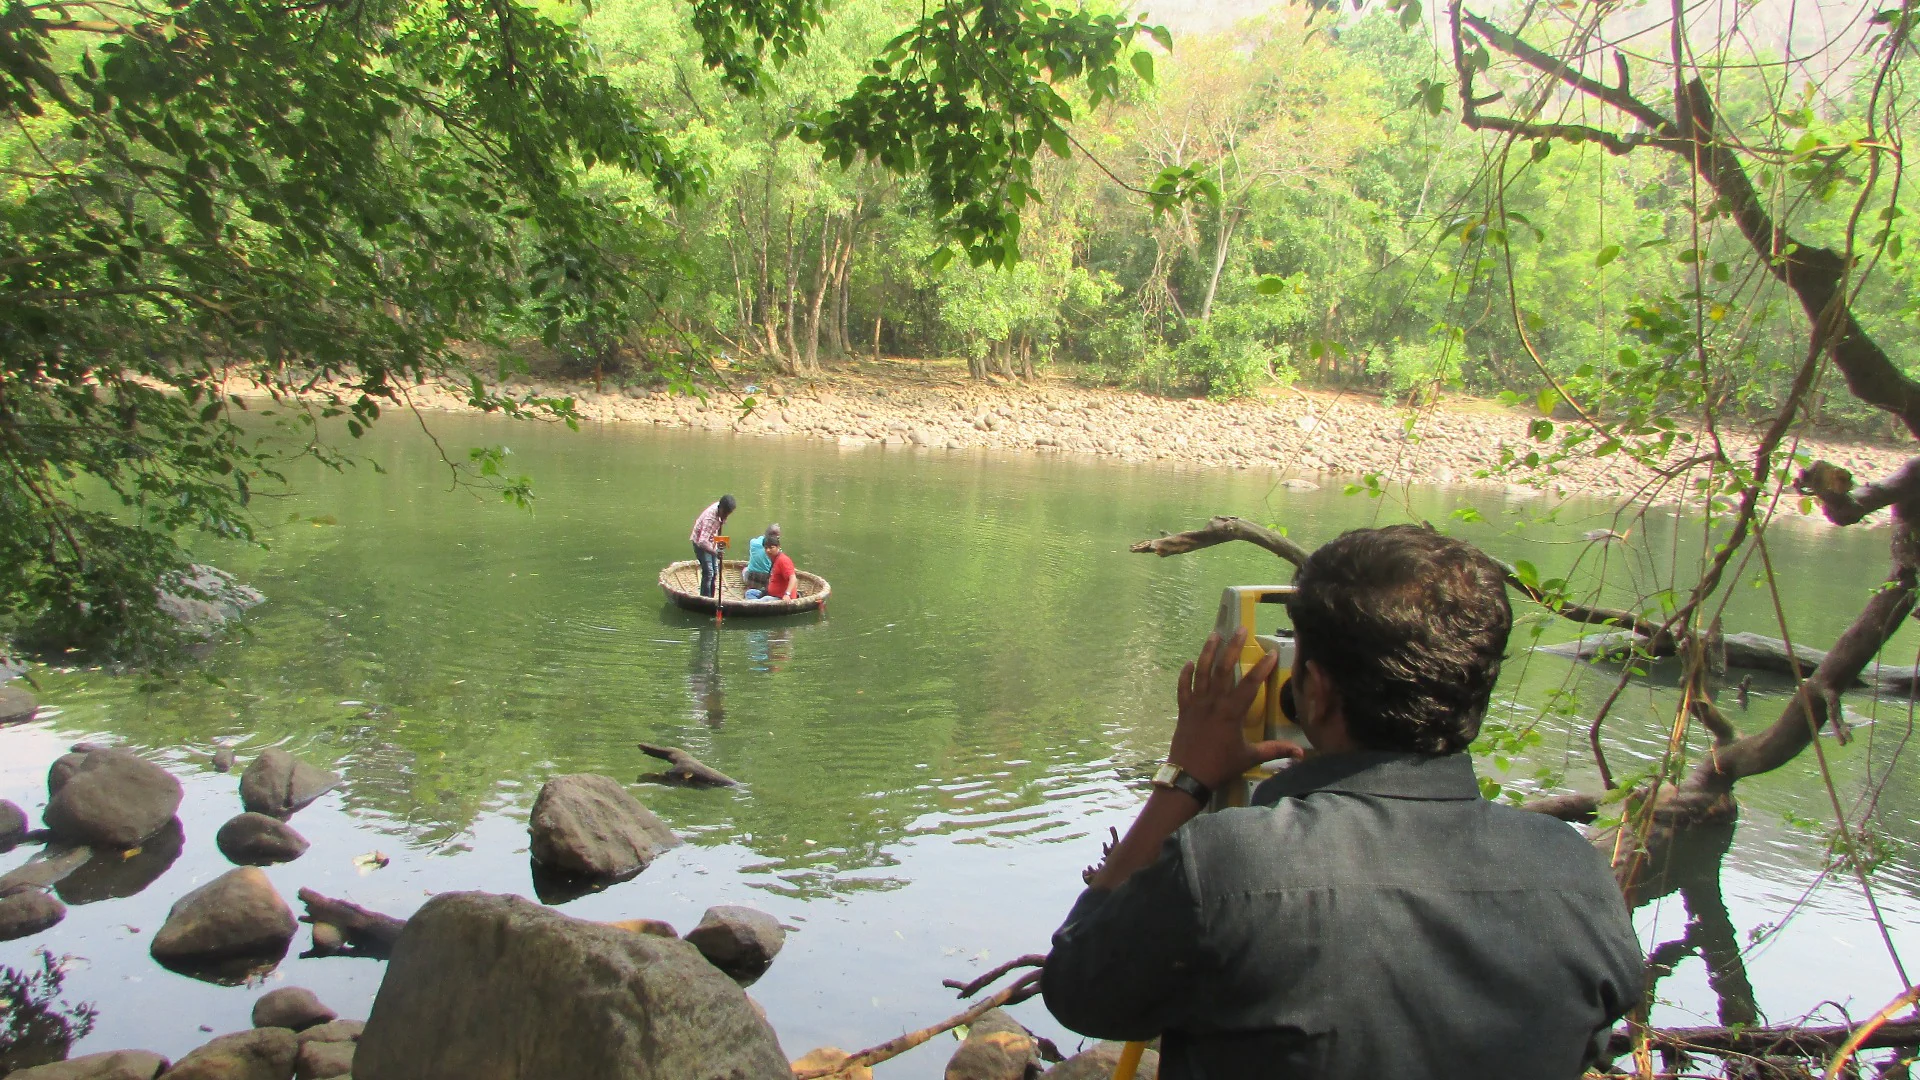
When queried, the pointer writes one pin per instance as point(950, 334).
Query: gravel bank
point(1315, 437)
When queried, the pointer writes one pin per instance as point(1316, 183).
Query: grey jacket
point(1369, 916)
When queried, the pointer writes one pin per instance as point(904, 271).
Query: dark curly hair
point(1411, 626)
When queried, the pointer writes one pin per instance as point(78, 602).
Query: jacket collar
point(1390, 774)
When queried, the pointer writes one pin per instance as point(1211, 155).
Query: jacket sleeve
point(1125, 962)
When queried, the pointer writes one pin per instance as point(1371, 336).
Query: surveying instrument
point(1269, 717)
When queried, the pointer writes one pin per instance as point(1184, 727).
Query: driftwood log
point(1781, 1041)
point(686, 767)
point(368, 932)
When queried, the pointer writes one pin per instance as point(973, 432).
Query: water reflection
point(769, 650)
point(37, 1026)
point(703, 678)
point(109, 875)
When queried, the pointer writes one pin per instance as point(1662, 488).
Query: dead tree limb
point(1810, 708)
point(1221, 530)
point(968, 989)
point(1786, 1039)
point(368, 931)
point(687, 767)
point(1019, 990)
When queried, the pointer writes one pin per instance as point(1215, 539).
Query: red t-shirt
point(780, 580)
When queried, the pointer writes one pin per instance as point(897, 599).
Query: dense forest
point(1349, 236)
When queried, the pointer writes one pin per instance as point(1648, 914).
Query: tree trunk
point(789, 306)
point(876, 338)
point(1227, 222)
point(823, 276)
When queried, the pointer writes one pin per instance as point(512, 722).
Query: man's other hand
point(1209, 739)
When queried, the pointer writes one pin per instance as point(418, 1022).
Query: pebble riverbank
point(1317, 437)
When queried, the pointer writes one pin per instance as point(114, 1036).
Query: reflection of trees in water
point(703, 678)
point(768, 650)
point(36, 1026)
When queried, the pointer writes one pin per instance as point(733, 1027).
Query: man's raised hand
point(1209, 741)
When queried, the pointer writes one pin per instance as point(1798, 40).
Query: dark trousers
point(709, 572)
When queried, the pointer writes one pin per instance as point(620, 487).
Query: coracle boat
point(681, 582)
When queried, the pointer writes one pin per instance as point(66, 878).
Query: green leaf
point(1410, 12)
point(1548, 398)
point(1143, 65)
point(939, 260)
point(1527, 573)
point(1607, 254)
point(1541, 148)
point(1270, 285)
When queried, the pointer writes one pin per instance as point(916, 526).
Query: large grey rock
point(997, 1048)
point(484, 987)
point(204, 598)
point(277, 783)
point(260, 1054)
point(236, 915)
point(1097, 1062)
point(113, 799)
point(740, 941)
point(13, 824)
point(590, 826)
point(322, 1060)
point(28, 911)
point(112, 1065)
point(291, 1007)
point(16, 705)
point(258, 840)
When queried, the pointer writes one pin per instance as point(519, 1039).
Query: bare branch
point(1221, 530)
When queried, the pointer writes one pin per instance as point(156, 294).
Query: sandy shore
point(1305, 436)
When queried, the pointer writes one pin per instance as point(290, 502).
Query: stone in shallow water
point(277, 783)
point(238, 917)
point(323, 1060)
point(1097, 1063)
point(28, 911)
point(112, 1065)
point(740, 941)
point(16, 705)
point(258, 840)
point(13, 824)
point(260, 1054)
point(113, 799)
point(997, 1048)
point(483, 985)
point(291, 1007)
point(590, 826)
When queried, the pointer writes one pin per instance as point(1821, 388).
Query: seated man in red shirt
point(780, 580)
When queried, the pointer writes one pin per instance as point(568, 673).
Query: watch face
point(1166, 774)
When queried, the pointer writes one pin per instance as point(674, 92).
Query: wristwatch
point(1173, 776)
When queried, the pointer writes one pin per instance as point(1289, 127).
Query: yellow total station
point(1240, 606)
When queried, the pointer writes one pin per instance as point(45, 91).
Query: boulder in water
point(13, 824)
point(27, 911)
point(334, 1031)
point(484, 985)
point(112, 1065)
point(258, 840)
point(238, 916)
point(109, 875)
point(828, 1056)
point(223, 759)
point(260, 1054)
point(277, 783)
point(112, 799)
point(997, 1048)
point(16, 705)
point(740, 941)
point(590, 826)
point(291, 1007)
point(324, 1060)
point(1097, 1062)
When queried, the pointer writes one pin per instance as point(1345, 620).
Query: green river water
point(926, 767)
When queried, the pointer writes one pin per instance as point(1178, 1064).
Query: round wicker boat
point(681, 582)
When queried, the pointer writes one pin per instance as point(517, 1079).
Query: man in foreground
point(706, 543)
point(1370, 915)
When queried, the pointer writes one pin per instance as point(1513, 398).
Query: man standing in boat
point(706, 543)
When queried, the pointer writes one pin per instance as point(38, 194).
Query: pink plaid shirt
point(706, 527)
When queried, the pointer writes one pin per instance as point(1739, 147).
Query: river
point(926, 767)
